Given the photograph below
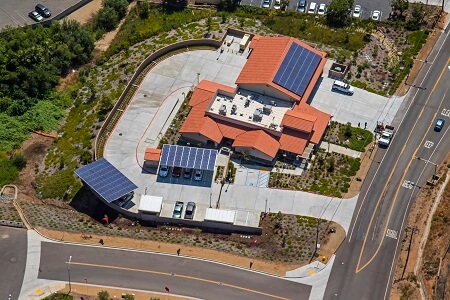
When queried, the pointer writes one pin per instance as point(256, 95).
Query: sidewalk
point(339, 149)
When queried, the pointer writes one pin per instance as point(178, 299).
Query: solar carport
point(107, 182)
point(188, 157)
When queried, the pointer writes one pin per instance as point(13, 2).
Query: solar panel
point(297, 69)
point(105, 180)
point(188, 157)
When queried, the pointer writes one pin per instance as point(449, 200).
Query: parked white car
point(376, 15)
point(277, 4)
point(163, 171)
point(357, 11)
point(322, 9)
point(312, 8)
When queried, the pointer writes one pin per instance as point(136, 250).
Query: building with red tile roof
point(257, 143)
point(267, 112)
point(151, 157)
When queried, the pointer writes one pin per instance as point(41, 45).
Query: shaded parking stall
point(187, 165)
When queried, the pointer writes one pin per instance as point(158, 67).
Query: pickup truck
point(386, 136)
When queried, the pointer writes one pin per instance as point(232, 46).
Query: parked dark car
point(187, 173)
point(190, 209)
point(43, 11)
point(176, 172)
point(35, 16)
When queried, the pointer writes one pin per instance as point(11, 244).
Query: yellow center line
point(177, 275)
point(358, 269)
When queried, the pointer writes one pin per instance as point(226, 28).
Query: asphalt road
point(13, 258)
point(365, 263)
point(367, 6)
point(153, 272)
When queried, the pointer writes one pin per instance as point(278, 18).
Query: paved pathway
point(339, 149)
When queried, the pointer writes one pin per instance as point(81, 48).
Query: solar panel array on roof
point(188, 157)
point(297, 69)
point(106, 180)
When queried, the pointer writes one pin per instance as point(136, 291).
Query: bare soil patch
point(84, 14)
point(88, 292)
point(358, 180)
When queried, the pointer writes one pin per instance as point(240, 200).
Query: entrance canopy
point(105, 180)
point(188, 157)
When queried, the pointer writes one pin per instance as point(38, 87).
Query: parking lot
point(15, 13)
point(367, 6)
point(205, 181)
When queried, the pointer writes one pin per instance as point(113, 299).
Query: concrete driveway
point(361, 107)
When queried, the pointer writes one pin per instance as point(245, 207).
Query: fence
point(137, 78)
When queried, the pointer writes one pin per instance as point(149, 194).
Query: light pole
point(210, 195)
point(198, 78)
point(68, 270)
point(428, 161)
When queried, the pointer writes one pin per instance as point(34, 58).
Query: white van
point(312, 8)
point(342, 87)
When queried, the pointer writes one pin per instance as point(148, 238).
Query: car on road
point(35, 16)
point(301, 7)
point(322, 9)
point(312, 8)
point(198, 175)
point(190, 209)
point(376, 15)
point(266, 4)
point(176, 172)
point(277, 4)
point(43, 11)
point(357, 11)
point(439, 124)
point(187, 173)
point(178, 209)
point(163, 171)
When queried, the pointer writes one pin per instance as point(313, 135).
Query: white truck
point(386, 136)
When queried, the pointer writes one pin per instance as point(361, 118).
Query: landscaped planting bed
point(285, 238)
point(349, 137)
point(8, 212)
point(330, 174)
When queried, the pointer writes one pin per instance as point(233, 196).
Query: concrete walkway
point(32, 287)
point(339, 149)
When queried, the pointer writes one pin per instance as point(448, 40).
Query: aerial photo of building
point(267, 114)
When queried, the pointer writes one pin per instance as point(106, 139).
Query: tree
point(143, 9)
point(338, 12)
point(107, 19)
point(416, 18)
point(103, 295)
point(120, 6)
point(399, 5)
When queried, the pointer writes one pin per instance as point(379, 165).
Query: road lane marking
point(176, 275)
point(392, 234)
point(358, 269)
point(428, 144)
point(407, 184)
point(445, 112)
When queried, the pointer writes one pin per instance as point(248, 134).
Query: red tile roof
point(230, 130)
point(152, 154)
point(197, 122)
point(293, 141)
point(259, 140)
point(205, 90)
point(298, 120)
point(320, 124)
point(265, 59)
